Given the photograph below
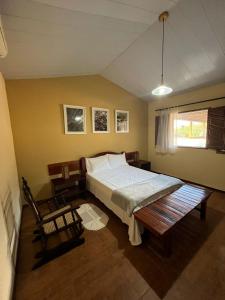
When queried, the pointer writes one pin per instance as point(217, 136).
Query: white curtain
point(166, 138)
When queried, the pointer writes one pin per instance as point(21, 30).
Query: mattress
point(121, 177)
point(103, 183)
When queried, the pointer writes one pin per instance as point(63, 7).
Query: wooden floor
point(106, 266)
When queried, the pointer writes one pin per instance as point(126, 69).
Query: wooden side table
point(142, 164)
point(75, 184)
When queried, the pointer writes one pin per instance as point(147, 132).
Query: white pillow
point(117, 160)
point(96, 164)
point(88, 165)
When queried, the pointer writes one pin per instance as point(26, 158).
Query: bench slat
point(163, 214)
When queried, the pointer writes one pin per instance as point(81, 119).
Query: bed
point(125, 189)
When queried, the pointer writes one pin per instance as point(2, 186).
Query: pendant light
point(162, 89)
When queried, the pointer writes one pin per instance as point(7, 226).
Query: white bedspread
point(122, 176)
point(138, 195)
point(104, 184)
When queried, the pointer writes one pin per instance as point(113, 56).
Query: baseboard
point(191, 182)
point(205, 186)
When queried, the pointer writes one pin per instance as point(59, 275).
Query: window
point(191, 129)
point(197, 129)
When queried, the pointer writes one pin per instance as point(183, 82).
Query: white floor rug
point(93, 217)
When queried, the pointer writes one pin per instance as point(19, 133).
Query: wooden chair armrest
point(43, 201)
point(60, 214)
point(74, 207)
point(53, 198)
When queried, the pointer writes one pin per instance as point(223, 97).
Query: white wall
point(9, 192)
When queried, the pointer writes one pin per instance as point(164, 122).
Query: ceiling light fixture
point(162, 89)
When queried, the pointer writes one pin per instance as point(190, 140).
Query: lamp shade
point(162, 90)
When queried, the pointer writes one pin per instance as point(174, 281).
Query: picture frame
point(122, 121)
point(100, 120)
point(74, 119)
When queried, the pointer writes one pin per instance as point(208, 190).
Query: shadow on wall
point(43, 191)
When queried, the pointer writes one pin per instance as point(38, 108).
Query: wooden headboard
point(130, 157)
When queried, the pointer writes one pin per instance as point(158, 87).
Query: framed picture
point(74, 119)
point(100, 120)
point(122, 121)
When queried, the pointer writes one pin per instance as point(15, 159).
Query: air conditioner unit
point(3, 45)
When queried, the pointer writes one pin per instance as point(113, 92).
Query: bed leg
point(203, 210)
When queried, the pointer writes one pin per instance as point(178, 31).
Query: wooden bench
point(162, 215)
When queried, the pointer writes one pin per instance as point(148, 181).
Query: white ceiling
point(119, 39)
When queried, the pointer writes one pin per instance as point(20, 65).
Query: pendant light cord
point(162, 89)
point(162, 54)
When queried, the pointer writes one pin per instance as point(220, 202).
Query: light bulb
point(162, 90)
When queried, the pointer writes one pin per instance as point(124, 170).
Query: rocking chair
point(64, 219)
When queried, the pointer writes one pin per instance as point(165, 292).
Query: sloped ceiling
point(119, 39)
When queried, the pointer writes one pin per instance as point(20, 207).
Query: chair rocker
point(56, 221)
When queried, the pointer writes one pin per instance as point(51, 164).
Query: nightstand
point(75, 184)
point(142, 164)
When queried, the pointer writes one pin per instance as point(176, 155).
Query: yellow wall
point(197, 165)
point(38, 127)
point(9, 191)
